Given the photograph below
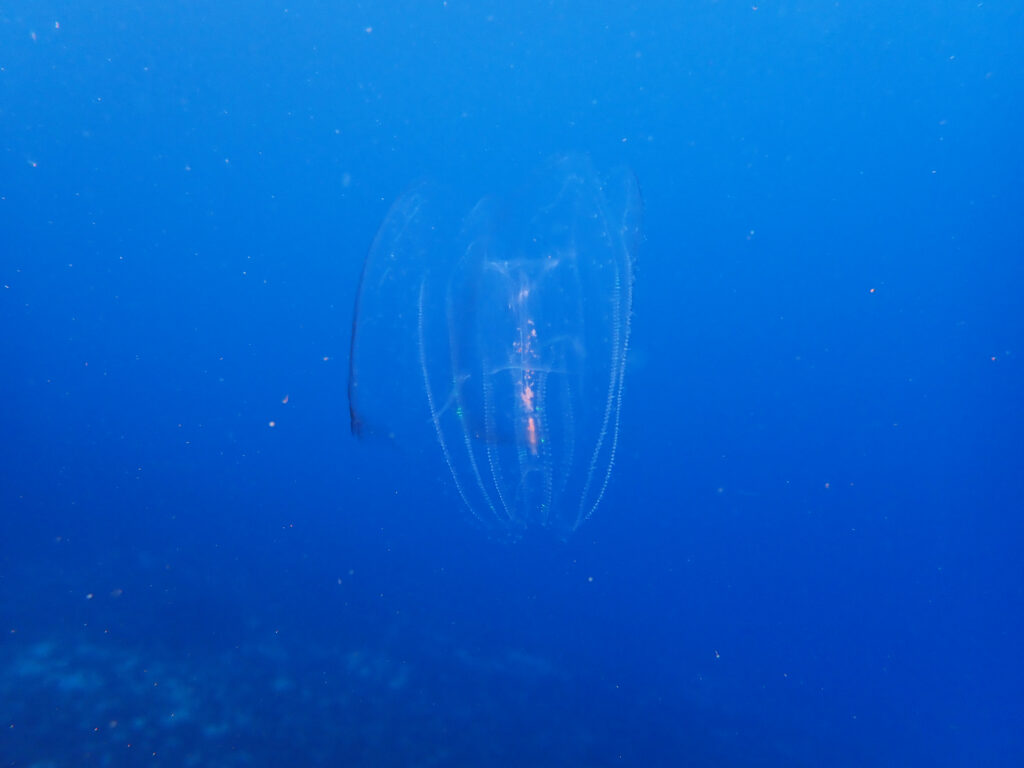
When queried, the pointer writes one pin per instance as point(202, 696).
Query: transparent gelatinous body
point(503, 333)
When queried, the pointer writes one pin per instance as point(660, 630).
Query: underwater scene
point(452, 384)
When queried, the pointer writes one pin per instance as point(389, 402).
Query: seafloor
point(97, 701)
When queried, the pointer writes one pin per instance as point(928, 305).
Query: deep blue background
point(810, 551)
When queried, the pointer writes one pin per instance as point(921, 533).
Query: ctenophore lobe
point(500, 335)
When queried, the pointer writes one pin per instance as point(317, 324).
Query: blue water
point(808, 552)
